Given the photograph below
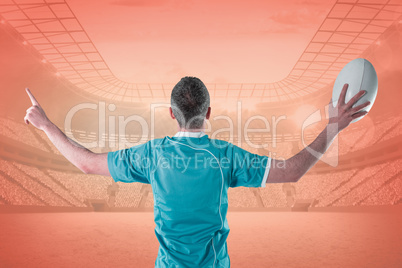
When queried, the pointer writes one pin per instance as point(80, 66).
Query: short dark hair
point(190, 102)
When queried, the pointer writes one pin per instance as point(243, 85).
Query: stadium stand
point(14, 194)
point(272, 196)
point(149, 202)
point(128, 195)
point(392, 132)
point(83, 186)
point(20, 133)
point(383, 128)
point(358, 138)
point(374, 185)
point(380, 177)
point(48, 187)
point(350, 140)
point(60, 185)
point(389, 193)
point(5, 130)
point(45, 140)
point(319, 185)
point(50, 182)
point(348, 185)
point(35, 187)
point(241, 197)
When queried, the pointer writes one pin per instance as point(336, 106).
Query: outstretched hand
point(35, 114)
point(344, 113)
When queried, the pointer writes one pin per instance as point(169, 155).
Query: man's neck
point(191, 130)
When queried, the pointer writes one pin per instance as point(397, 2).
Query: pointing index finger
point(33, 100)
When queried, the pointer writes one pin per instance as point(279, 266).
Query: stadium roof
point(53, 30)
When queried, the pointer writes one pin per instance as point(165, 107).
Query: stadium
point(346, 211)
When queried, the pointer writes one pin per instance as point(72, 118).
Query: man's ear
point(208, 113)
point(171, 113)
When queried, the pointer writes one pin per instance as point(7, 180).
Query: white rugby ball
point(360, 75)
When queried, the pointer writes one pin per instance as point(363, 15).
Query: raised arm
point(292, 169)
point(84, 159)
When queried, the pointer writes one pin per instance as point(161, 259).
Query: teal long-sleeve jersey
point(190, 175)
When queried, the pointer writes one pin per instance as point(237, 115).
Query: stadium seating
point(32, 186)
point(316, 186)
point(273, 196)
point(128, 195)
point(372, 185)
point(350, 140)
point(20, 132)
point(46, 140)
point(5, 130)
point(389, 194)
point(50, 182)
point(348, 185)
point(241, 197)
point(392, 132)
point(382, 128)
point(16, 195)
point(149, 202)
point(83, 186)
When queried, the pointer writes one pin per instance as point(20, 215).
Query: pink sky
point(233, 41)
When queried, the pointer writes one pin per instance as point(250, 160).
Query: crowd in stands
point(149, 202)
point(5, 130)
point(128, 195)
point(345, 186)
point(30, 185)
point(390, 193)
point(241, 197)
point(46, 141)
point(351, 139)
point(355, 139)
point(319, 186)
point(19, 132)
point(272, 195)
point(15, 195)
point(371, 183)
point(83, 186)
point(361, 185)
point(386, 127)
point(58, 188)
point(392, 132)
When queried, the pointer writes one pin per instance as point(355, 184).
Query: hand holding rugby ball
point(354, 93)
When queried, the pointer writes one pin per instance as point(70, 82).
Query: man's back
point(190, 177)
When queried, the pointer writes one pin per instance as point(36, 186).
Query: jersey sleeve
point(248, 169)
point(130, 165)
